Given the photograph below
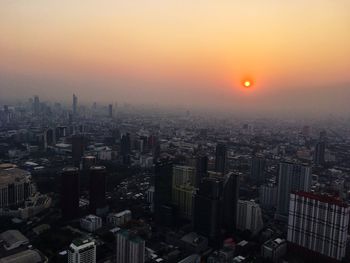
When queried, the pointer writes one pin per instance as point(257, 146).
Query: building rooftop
point(324, 198)
point(13, 239)
point(12, 175)
point(28, 255)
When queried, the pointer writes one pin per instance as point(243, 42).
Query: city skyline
point(194, 55)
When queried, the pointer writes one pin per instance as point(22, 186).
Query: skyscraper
point(220, 158)
point(98, 190)
point(70, 193)
point(82, 251)
point(249, 216)
point(201, 168)
point(257, 170)
point(318, 223)
point(36, 105)
point(130, 247)
point(163, 174)
point(110, 110)
point(291, 177)
point(319, 155)
point(75, 105)
point(78, 148)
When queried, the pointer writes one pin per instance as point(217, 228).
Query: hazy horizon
point(180, 54)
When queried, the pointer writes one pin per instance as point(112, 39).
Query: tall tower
point(319, 155)
point(98, 190)
point(82, 251)
point(70, 193)
point(110, 110)
point(201, 168)
point(292, 177)
point(257, 170)
point(220, 158)
point(130, 247)
point(78, 148)
point(75, 104)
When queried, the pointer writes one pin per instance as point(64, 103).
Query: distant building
point(319, 154)
point(70, 192)
point(249, 216)
point(97, 191)
point(257, 170)
point(75, 105)
point(318, 223)
point(91, 223)
point(15, 186)
point(268, 196)
point(110, 110)
point(201, 168)
point(130, 247)
point(291, 177)
point(12, 239)
point(220, 158)
point(274, 249)
point(119, 219)
point(82, 251)
point(78, 148)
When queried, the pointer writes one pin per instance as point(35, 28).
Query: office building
point(220, 158)
point(184, 175)
point(291, 177)
point(130, 247)
point(201, 169)
point(257, 170)
point(70, 193)
point(319, 154)
point(268, 196)
point(91, 223)
point(110, 111)
point(97, 191)
point(318, 223)
point(249, 216)
point(82, 251)
point(274, 249)
point(75, 105)
point(78, 148)
point(183, 198)
point(15, 186)
point(119, 219)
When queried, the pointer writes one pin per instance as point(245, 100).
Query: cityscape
point(106, 158)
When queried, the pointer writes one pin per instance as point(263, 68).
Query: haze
point(180, 53)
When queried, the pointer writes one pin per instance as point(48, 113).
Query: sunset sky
point(179, 53)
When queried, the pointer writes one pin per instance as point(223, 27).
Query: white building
point(318, 223)
point(91, 223)
point(82, 251)
point(274, 249)
point(248, 216)
point(119, 219)
point(130, 247)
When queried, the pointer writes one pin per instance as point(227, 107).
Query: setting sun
point(247, 84)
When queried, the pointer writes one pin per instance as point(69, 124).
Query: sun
point(247, 83)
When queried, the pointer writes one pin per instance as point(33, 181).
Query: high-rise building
point(249, 216)
point(97, 191)
point(183, 175)
point(130, 247)
point(182, 198)
point(91, 223)
point(268, 196)
point(220, 158)
point(318, 223)
point(75, 105)
point(291, 177)
point(78, 148)
point(110, 110)
point(201, 168)
point(319, 154)
point(82, 251)
point(257, 170)
point(36, 105)
point(163, 177)
point(70, 193)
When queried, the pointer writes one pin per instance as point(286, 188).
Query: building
point(82, 251)
point(78, 148)
point(110, 110)
point(319, 154)
point(27, 255)
point(318, 223)
point(191, 259)
point(268, 196)
point(130, 247)
point(163, 173)
point(220, 158)
point(91, 223)
point(274, 249)
point(257, 170)
point(291, 177)
point(70, 193)
point(183, 189)
point(97, 191)
point(201, 168)
point(249, 217)
point(15, 186)
point(12, 239)
point(119, 219)
point(75, 105)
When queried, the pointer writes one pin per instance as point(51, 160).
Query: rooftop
point(12, 175)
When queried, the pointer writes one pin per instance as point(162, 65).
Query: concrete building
point(274, 249)
point(130, 247)
point(82, 251)
point(91, 223)
point(249, 216)
point(119, 219)
point(268, 196)
point(318, 223)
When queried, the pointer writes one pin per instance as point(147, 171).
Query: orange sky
point(151, 51)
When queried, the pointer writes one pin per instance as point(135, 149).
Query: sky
point(180, 53)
